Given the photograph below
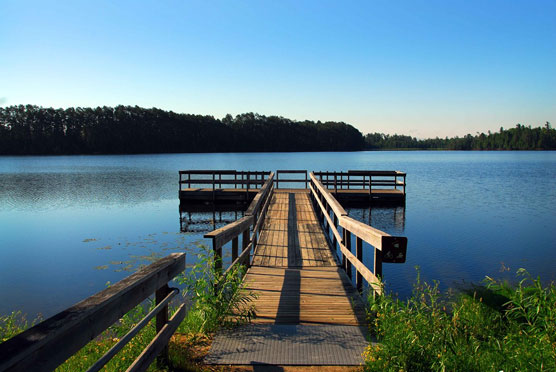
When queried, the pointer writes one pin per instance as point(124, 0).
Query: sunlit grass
point(493, 327)
point(217, 300)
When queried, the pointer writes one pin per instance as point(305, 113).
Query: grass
point(216, 301)
point(491, 327)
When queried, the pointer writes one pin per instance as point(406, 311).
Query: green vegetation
point(216, 301)
point(519, 138)
point(494, 327)
point(33, 130)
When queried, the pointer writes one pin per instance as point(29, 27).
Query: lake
point(70, 224)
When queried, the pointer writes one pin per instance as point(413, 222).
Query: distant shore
point(34, 130)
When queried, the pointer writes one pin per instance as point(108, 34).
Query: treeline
point(132, 130)
point(34, 130)
point(519, 138)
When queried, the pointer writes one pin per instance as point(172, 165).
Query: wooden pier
point(297, 245)
point(230, 186)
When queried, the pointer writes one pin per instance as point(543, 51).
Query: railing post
point(326, 221)
point(359, 255)
point(378, 263)
point(234, 248)
point(335, 183)
point(245, 243)
point(247, 188)
point(161, 320)
point(213, 187)
point(347, 244)
point(334, 240)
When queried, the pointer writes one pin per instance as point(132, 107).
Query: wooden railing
point(304, 180)
point(361, 179)
point(248, 227)
point(218, 178)
point(49, 343)
point(387, 248)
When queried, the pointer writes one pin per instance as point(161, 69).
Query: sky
point(420, 68)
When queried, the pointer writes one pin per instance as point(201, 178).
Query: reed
point(494, 326)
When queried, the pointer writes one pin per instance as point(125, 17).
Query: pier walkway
point(308, 311)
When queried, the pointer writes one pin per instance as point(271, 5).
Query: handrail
point(261, 195)
point(253, 220)
point(219, 177)
point(332, 202)
point(49, 343)
point(363, 180)
point(392, 248)
point(291, 180)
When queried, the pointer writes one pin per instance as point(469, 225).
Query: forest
point(34, 130)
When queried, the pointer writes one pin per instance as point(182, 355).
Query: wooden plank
point(49, 343)
point(375, 237)
point(322, 295)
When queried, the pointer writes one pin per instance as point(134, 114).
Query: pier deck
point(294, 272)
point(308, 310)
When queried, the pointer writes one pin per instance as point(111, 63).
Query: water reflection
point(202, 218)
point(390, 219)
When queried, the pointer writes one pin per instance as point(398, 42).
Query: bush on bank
point(492, 327)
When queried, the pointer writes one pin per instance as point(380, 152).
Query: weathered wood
point(308, 295)
point(235, 246)
point(294, 180)
point(347, 243)
point(378, 263)
point(326, 216)
point(375, 237)
point(158, 343)
point(49, 343)
point(330, 200)
point(226, 233)
point(359, 255)
point(371, 278)
point(162, 319)
point(260, 198)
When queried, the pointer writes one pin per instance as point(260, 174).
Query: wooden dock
point(294, 273)
point(240, 187)
point(289, 240)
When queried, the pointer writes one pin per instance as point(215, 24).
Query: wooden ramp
point(302, 295)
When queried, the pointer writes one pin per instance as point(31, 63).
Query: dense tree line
point(519, 138)
point(26, 130)
point(131, 130)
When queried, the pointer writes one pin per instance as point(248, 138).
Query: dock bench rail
point(304, 180)
point(387, 248)
point(248, 227)
point(224, 177)
point(48, 344)
point(362, 179)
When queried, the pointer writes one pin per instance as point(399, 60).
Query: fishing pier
point(305, 263)
point(304, 255)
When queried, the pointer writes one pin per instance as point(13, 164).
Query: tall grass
point(217, 300)
point(491, 327)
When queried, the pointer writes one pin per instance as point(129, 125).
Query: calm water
point(70, 224)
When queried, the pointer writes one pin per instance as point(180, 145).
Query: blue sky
point(425, 68)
